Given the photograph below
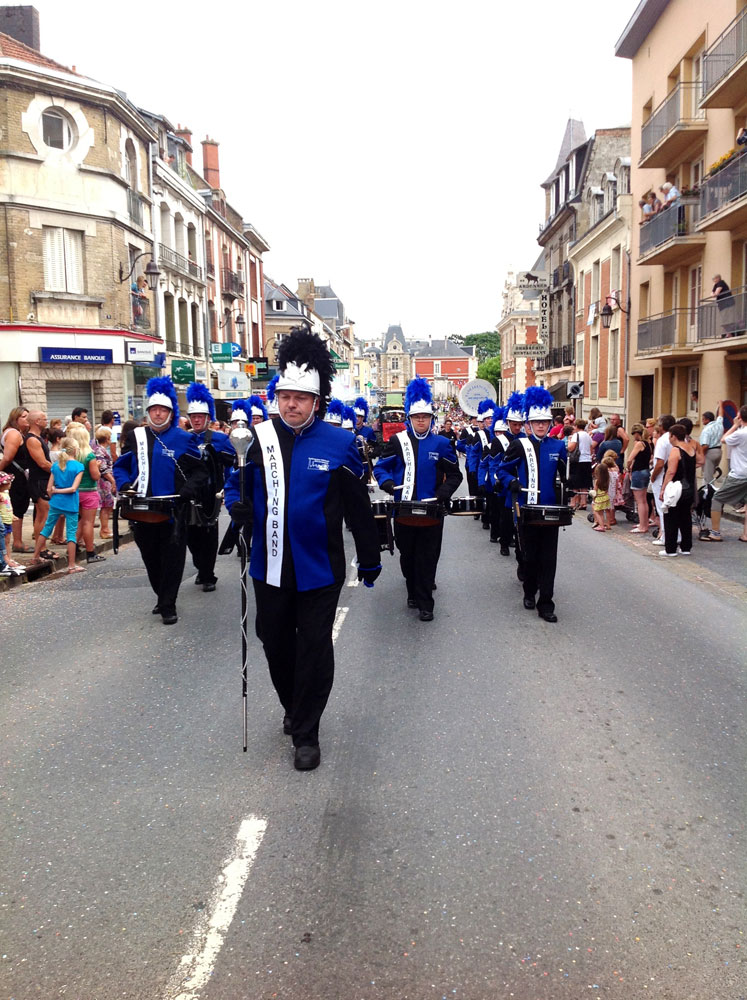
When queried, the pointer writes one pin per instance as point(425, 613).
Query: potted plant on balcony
point(721, 162)
point(690, 196)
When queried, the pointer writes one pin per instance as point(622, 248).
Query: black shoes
point(548, 616)
point(529, 603)
point(91, 557)
point(411, 602)
point(307, 758)
point(496, 540)
point(287, 724)
point(505, 550)
point(156, 610)
point(486, 527)
point(198, 581)
point(208, 588)
point(426, 616)
point(169, 616)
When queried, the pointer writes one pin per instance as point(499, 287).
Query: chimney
point(210, 168)
point(21, 23)
point(186, 134)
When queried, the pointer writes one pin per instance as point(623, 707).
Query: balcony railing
point(667, 225)
point(231, 283)
point(663, 330)
point(725, 53)
point(140, 313)
point(134, 207)
point(180, 263)
point(725, 317)
point(725, 186)
point(568, 358)
point(210, 266)
point(678, 107)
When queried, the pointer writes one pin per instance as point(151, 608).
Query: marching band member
point(425, 466)
point(348, 419)
point(360, 408)
point(162, 460)
point(498, 447)
point(485, 413)
point(485, 476)
point(218, 454)
point(258, 410)
point(300, 474)
point(528, 473)
point(334, 412)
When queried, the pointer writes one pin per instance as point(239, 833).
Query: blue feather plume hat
point(537, 403)
point(485, 406)
point(257, 407)
point(272, 405)
point(499, 422)
point(361, 408)
point(335, 408)
point(200, 399)
point(160, 391)
point(241, 410)
point(418, 397)
point(348, 418)
point(515, 407)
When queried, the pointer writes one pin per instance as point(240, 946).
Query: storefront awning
point(559, 390)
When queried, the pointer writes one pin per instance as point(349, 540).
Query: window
point(692, 389)
point(57, 130)
point(278, 306)
point(615, 257)
point(595, 281)
point(394, 364)
point(436, 367)
point(63, 259)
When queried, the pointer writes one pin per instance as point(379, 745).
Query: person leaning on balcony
point(653, 202)
point(670, 192)
point(137, 290)
point(724, 304)
point(646, 210)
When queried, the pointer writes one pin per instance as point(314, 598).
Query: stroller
point(702, 508)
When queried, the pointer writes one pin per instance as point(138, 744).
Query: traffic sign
point(182, 371)
point(221, 353)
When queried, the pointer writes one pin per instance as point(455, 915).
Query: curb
point(36, 574)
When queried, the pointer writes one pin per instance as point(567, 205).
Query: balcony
point(670, 237)
point(567, 356)
point(177, 262)
point(672, 126)
point(134, 207)
point(210, 267)
point(723, 197)
point(670, 332)
point(140, 313)
point(719, 319)
point(725, 66)
point(231, 283)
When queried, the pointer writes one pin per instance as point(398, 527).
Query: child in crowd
point(610, 460)
point(8, 566)
point(601, 502)
point(106, 485)
point(64, 481)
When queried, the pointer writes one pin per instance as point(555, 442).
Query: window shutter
point(54, 260)
point(73, 242)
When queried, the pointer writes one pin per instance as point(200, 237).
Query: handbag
point(573, 456)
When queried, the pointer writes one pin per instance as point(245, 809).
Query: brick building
point(518, 326)
point(445, 365)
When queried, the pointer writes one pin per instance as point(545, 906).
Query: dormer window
point(278, 305)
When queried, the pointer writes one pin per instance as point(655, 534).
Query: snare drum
point(546, 515)
point(381, 510)
point(418, 513)
point(462, 506)
point(150, 510)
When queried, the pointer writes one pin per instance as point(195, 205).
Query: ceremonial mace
point(241, 438)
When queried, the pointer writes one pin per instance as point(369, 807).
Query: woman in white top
point(579, 479)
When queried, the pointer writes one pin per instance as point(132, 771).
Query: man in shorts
point(734, 489)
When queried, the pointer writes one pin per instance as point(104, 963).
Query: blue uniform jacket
point(437, 471)
point(174, 464)
point(222, 445)
point(552, 455)
point(320, 473)
point(496, 457)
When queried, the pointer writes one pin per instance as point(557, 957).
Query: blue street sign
point(235, 349)
point(75, 355)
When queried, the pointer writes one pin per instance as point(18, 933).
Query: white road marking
point(196, 967)
point(339, 619)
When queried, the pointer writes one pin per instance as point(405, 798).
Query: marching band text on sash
point(532, 471)
point(408, 455)
point(275, 516)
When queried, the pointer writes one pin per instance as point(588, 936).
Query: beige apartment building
point(688, 349)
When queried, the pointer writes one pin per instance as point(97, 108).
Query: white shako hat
point(257, 407)
point(348, 418)
point(537, 403)
point(499, 424)
point(418, 397)
point(160, 391)
point(200, 400)
point(515, 407)
point(272, 403)
point(334, 413)
point(241, 411)
point(360, 408)
point(305, 365)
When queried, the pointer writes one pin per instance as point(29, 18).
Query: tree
point(488, 344)
point(490, 370)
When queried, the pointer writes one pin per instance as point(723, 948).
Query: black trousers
point(493, 504)
point(419, 549)
point(471, 482)
point(678, 519)
point(295, 629)
point(203, 544)
point(506, 524)
point(538, 560)
point(163, 548)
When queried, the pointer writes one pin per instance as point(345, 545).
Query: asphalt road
point(505, 808)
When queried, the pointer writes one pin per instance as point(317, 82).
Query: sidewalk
point(53, 570)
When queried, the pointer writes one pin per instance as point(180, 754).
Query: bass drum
point(463, 506)
point(418, 513)
point(473, 393)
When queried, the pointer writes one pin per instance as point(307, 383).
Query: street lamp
point(152, 273)
point(239, 321)
point(607, 310)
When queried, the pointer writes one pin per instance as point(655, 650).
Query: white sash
point(532, 471)
point(503, 440)
point(143, 465)
point(483, 437)
point(408, 483)
point(267, 438)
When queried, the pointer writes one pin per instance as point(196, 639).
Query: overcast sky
point(392, 149)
